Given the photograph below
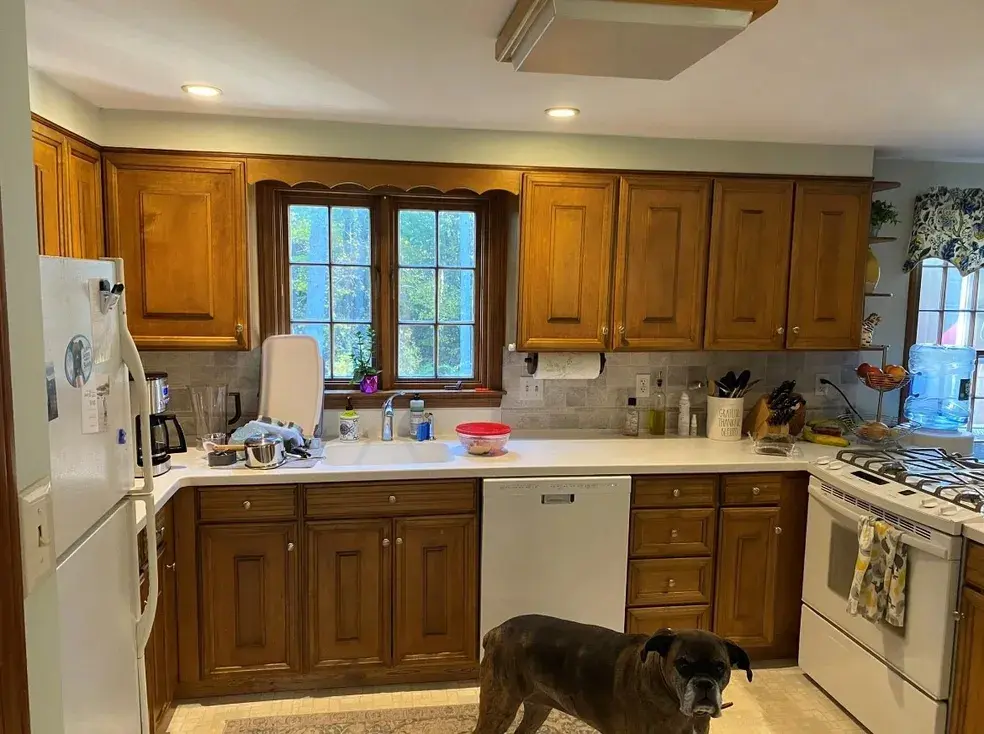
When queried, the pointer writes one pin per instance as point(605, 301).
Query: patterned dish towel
point(878, 589)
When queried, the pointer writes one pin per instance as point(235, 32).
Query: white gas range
point(894, 681)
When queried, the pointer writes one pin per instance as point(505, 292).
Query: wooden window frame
point(485, 389)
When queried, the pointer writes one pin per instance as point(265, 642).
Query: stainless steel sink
point(389, 453)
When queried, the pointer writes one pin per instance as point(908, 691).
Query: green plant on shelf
point(882, 213)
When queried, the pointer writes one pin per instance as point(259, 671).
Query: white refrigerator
point(89, 355)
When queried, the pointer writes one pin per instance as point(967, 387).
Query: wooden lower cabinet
point(249, 599)
point(436, 615)
point(161, 654)
point(967, 709)
point(652, 619)
point(349, 593)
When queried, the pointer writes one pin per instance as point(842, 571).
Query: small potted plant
point(364, 372)
point(882, 213)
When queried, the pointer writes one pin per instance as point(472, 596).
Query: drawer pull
point(756, 491)
point(676, 492)
point(778, 530)
point(392, 499)
point(290, 547)
point(247, 504)
point(386, 542)
point(674, 533)
point(170, 566)
point(671, 583)
point(399, 541)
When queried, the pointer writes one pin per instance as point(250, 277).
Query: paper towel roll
point(567, 366)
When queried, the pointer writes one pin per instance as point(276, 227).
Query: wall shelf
point(879, 295)
point(876, 240)
point(885, 185)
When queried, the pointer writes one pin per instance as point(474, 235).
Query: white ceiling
point(897, 74)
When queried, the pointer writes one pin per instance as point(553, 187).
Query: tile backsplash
point(567, 404)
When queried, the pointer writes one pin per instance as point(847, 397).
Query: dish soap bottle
point(683, 421)
point(631, 427)
point(657, 416)
point(348, 423)
point(416, 413)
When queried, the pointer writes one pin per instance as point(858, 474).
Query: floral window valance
point(948, 224)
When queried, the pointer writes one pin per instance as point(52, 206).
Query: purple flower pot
point(369, 384)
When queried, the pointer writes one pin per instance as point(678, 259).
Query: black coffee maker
point(160, 435)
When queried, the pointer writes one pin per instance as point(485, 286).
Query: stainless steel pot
point(264, 452)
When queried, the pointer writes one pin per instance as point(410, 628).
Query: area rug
point(431, 720)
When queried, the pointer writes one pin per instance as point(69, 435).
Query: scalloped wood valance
point(369, 174)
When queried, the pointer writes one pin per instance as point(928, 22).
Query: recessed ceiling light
point(201, 90)
point(562, 112)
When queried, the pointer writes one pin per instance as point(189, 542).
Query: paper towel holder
point(533, 361)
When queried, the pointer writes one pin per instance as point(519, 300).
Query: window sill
point(335, 399)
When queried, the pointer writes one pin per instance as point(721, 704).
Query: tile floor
point(779, 700)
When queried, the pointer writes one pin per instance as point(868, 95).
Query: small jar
point(631, 427)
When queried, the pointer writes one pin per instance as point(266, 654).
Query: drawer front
point(686, 490)
point(231, 504)
point(649, 620)
point(751, 489)
point(974, 569)
point(387, 499)
point(670, 581)
point(672, 533)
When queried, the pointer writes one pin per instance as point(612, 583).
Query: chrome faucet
point(388, 416)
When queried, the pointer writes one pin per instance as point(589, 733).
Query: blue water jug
point(939, 394)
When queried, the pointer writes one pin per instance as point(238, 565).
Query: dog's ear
point(739, 658)
point(659, 643)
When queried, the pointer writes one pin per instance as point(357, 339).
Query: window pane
point(931, 288)
point(309, 290)
point(455, 351)
point(456, 239)
point(351, 295)
point(456, 296)
point(417, 294)
point(928, 327)
point(350, 235)
point(308, 233)
point(418, 238)
point(959, 290)
point(933, 262)
point(321, 332)
point(415, 356)
point(956, 329)
point(343, 342)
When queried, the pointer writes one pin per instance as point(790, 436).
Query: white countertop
point(974, 530)
point(525, 458)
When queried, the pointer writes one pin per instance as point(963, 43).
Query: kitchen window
point(425, 273)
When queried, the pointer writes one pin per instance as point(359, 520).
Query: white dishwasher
point(555, 546)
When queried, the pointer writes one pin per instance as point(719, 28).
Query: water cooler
point(939, 396)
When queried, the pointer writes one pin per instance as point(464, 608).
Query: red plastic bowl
point(483, 439)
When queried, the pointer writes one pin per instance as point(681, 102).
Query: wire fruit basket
point(883, 382)
point(877, 432)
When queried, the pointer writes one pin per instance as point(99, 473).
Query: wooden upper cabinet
point(744, 609)
point(349, 590)
point(178, 222)
point(749, 264)
point(436, 609)
point(249, 604)
point(49, 172)
point(85, 216)
point(566, 262)
point(826, 279)
point(661, 262)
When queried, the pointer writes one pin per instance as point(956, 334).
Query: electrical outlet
point(819, 388)
point(531, 391)
point(642, 385)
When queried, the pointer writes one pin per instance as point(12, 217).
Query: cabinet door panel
point(349, 593)
point(826, 280)
point(749, 264)
point(649, 620)
point(661, 263)
point(85, 216)
point(968, 683)
point(178, 224)
point(249, 598)
point(49, 169)
point(565, 262)
point(744, 609)
point(436, 610)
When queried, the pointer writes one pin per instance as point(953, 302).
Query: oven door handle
point(848, 512)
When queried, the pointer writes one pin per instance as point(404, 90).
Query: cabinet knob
point(796, 330)
point(247, 504)
point(780, 331)
point(386, 542)
point(290, 547)
point(239, 328)
point(756, 491)
point(671, 583)
point(399, 541)
point(621, 328)
point(604, 331)
point(392, 499)
point(170, 566)
point(674, 533)
point(959, 616)
point(778, 530)
point(676, 492)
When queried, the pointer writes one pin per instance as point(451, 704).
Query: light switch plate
point(531, 391)
point(37, 534)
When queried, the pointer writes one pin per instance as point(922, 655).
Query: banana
point(825, 440)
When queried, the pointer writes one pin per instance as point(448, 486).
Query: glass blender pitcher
point(210, 404)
